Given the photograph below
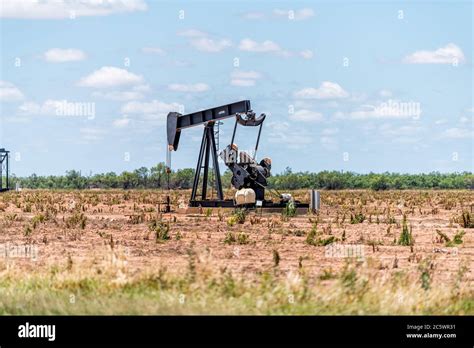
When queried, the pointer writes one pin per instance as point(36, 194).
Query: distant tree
point(142, 176)
point(183, 178)
point(379, 182)
point(157, 175)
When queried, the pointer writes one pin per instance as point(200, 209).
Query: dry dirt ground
point(92, 228)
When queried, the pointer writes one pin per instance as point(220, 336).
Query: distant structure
point(4, 170)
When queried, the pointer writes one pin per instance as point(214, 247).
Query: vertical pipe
point(198, 167)
point(8, 168)
point(215, 161)
point(315, 200)
point(209, 133)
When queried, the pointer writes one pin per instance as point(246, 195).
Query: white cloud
point(329, 143)
point(282, 133)
point(151, 111)
point(54, 9)
point(391, 109)
point(298, 15)
point(242, 83)
point(202, 42)
point(198, 87)
point(330, 131)
point(239, 74)
point(192, 33)
point(244, 78)
point(58, 55)
point(306, 54)
point(136, 92)
point(206, 44)
point(30, 108)
point(448, 54)
point(327, 90)
point(408, 131)
point(92, 134)
point(10, 93)
point(253, 15)
point(269, 46)
point(109, 76)
point(49, 107)
point(121, 123)
point(253, 46)
point(306, 116)
point(141, 88)
point(385, 93)
point(154, 50)
point(457, 133)
point(119, 95)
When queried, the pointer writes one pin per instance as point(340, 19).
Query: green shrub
point(160, 228)
point(406, 237)
point(243, 238)
point(357, 218)
point(240, 215)
point(229, 238)
point(289, 210)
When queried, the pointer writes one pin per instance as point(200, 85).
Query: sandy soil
point(109, 225)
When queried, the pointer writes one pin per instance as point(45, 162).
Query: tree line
point(157, 177)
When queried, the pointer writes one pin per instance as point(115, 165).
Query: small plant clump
point(243, 238)
point(426, 268)
point(160, 228)
point(27, 230)
point(457, 239)
point(327, 274)
point(37, 219)
point(289, 210)
point(231, 221)
point(240, 215)
point(77, 219)
point(276, 258)
point(315, 239)
point(229, 238)
point(465, 220)
point(357, 218)
point(406, 237)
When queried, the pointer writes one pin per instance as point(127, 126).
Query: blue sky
point(359, 86)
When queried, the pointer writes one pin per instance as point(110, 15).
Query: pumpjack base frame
point(228, 203)
point(260, 210)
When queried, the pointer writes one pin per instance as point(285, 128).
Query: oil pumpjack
point(249, 177)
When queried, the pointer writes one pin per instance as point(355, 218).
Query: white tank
point(245, 196)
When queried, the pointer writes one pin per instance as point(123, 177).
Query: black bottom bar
point(350, 331)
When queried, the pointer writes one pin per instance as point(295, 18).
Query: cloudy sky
point(347, 85)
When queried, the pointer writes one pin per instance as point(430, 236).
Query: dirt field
point(350, 258)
